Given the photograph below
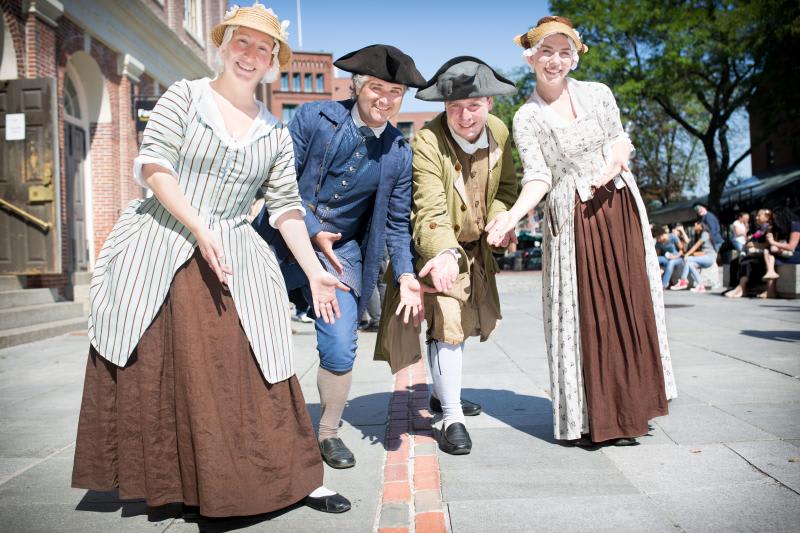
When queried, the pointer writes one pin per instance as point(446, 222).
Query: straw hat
point(260, 19)
point(549, 27)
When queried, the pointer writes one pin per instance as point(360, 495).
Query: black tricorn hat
point(384, 62)
point(465, 77)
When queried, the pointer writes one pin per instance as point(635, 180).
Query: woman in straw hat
point(190, 394)
point(610, 366)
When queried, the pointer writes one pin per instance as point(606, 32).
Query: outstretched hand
point(324, 242)
point(443, 270)
point(498, 229)
point(510, 237)
point(411, 302)
point(323, 293)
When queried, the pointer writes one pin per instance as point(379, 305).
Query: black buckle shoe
point(191, 513)
point(455, 439)
point(335, 503)
point(336, 454)
point(469, 408)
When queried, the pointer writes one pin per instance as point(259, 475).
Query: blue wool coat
point(316, 132)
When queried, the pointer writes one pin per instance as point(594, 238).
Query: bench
point(788, 285)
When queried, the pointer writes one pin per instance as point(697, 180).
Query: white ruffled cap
point(528, 52)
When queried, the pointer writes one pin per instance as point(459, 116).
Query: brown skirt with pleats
point(191, 419)
point(622, 374)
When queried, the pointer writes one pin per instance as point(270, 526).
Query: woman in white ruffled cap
point(610, 366)
point(190, 394)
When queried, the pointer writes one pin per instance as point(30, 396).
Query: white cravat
point(470, 148)
point(359, 123)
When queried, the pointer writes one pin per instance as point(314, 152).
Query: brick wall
point(781, 149)
point(303, 63)
point(172, 13)
point(12, 14)
point(44, 51)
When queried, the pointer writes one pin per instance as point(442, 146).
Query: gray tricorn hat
point(465, 77)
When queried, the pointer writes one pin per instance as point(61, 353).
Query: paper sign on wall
point(15, 126)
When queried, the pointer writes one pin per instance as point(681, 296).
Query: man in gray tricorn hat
point(463, 175)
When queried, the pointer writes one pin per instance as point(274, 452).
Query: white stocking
point(322, 491)
point(445, 362)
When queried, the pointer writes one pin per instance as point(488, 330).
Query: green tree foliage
point(506, 106)
point(667, 161)
point(699, 63)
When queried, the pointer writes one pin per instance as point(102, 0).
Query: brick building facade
point(100, 56)
point(781, 149)
point(311, 77)
point(308, 78)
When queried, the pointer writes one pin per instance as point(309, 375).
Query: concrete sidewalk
point(726, 458)
point(39, 406)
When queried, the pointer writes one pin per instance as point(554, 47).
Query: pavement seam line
point(648, 496)
point(746, 460)
point(723, 354)
point(8, 478)
point(663, 512)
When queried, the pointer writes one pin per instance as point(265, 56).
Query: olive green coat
point(438, 210)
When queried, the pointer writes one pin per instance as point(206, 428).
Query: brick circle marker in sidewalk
point(412, 492)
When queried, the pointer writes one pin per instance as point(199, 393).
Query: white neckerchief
point(470, 148)
point(209, 112)
point(359, 123)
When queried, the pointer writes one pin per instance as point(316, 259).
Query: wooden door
point(30, 242)
point(75, 157)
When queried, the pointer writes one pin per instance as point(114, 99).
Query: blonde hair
point(218, 63)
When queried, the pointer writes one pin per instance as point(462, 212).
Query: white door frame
point(83, 123)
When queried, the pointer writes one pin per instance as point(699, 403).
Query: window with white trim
point(72, 106)
point(193, 19)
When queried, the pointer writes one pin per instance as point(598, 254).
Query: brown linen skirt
point(191, 419)
point(622, 373)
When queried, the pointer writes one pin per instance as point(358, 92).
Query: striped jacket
point(220, 176)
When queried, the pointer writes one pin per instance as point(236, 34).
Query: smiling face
point(467, 118)
point(248, 56)
point(553, 60)
point(378, 101)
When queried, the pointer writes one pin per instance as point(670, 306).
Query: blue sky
point(430, 31)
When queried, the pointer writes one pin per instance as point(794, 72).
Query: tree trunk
point(716, 185)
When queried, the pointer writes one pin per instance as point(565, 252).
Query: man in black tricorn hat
point(354, 174)
point(463, 175)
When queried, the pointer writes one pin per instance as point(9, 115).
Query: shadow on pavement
point(108, 502)
point(529, 414)
point(368, 414)
point(781, 336)
point(783, 307)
